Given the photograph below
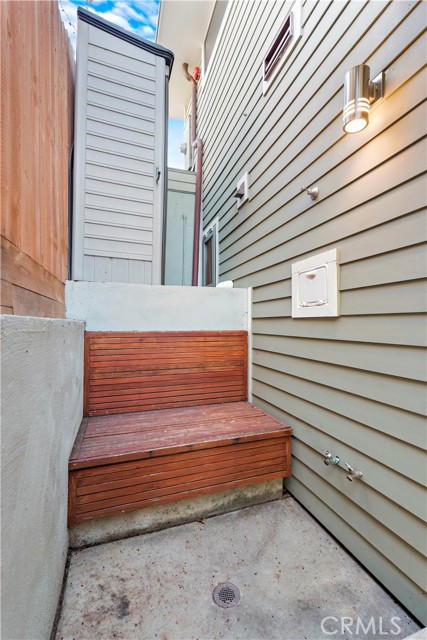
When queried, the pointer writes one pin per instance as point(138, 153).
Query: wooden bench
point(166, 418)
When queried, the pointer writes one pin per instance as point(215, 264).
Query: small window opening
point(278, 48)
point(282, 45)
point(209, 257)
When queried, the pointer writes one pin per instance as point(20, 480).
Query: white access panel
point(119, 156)
point(315, 286)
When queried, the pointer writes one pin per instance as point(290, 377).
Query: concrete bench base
point(149, 519)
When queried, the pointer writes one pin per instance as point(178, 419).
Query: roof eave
point(132, 38)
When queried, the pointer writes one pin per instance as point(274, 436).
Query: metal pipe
point(197, 145)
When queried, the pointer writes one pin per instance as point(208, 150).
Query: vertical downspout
point(165, 180)
point(197, 144)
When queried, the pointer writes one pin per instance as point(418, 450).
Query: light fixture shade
point(356, 99)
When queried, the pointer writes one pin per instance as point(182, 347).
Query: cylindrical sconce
point(356, 99)
point(359, 94)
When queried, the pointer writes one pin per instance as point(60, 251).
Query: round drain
point(226, 595)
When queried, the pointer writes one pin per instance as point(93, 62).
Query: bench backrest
point(142, 371)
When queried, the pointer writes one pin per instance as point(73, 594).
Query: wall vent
point(282, 45)
point(242, 190)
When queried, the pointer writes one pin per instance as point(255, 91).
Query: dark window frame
point(209, 254)
point(278, 48)
point(284, 42)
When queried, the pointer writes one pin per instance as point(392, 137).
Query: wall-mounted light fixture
point(359, 93)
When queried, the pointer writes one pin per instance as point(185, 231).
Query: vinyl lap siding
point(353, 385)
point(121, 101)
point(180, 227)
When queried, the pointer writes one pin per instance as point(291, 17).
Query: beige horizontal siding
point(354, 385)
point(182, 181)
point(282, 116)
point(403, 362)
point(404, 588)
point(337, 408)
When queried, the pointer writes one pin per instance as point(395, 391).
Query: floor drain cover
point(226, 595)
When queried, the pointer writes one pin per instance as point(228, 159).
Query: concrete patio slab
point(295, 582)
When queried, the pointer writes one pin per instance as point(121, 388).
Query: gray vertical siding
point(355, 384)
point(120, 122)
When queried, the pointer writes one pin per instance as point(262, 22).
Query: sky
point(137, 16)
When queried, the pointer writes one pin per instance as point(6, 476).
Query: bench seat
point(166, 418)
point(127, 461)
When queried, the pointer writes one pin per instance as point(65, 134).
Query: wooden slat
point(79, 439)
point(150, 434)
point(125, 462)
point(38, 109)
point(159, 336)
point(86, 379)
point(90, 478)
point(182, 495)
point(171, 492)
point(153, 347)
point(23, 271)
point(120, 453)
point(185, 484)
point(154, 365)
point(127, 384)
point(141, 400)
point(175, 359)
point(23, 302)
point(179, 423)
point(135, 392)
point(148, 482)
point(72, 495)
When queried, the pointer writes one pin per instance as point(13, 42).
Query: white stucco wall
point(42, 383)
point(107, 306)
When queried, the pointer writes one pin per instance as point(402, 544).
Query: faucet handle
point(354, 474)
point(330, 459)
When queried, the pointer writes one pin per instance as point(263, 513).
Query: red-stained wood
point(125, 462)
point(181, 495)
point(72, 497)
point(165, 431)
point(169, 481)
point(103, 501)
point(79, 439)
point(145, 371)
point(86, 378)
point(120, 470)
point(155, 336)
point(167, 420)
point(165, 469)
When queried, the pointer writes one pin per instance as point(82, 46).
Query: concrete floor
point(290, 572)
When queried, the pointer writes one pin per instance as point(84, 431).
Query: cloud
point(136, 16)
point(146, 31)
point(114, 17)
point(125, 9)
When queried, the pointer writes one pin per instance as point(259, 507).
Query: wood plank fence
point(37, 76)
